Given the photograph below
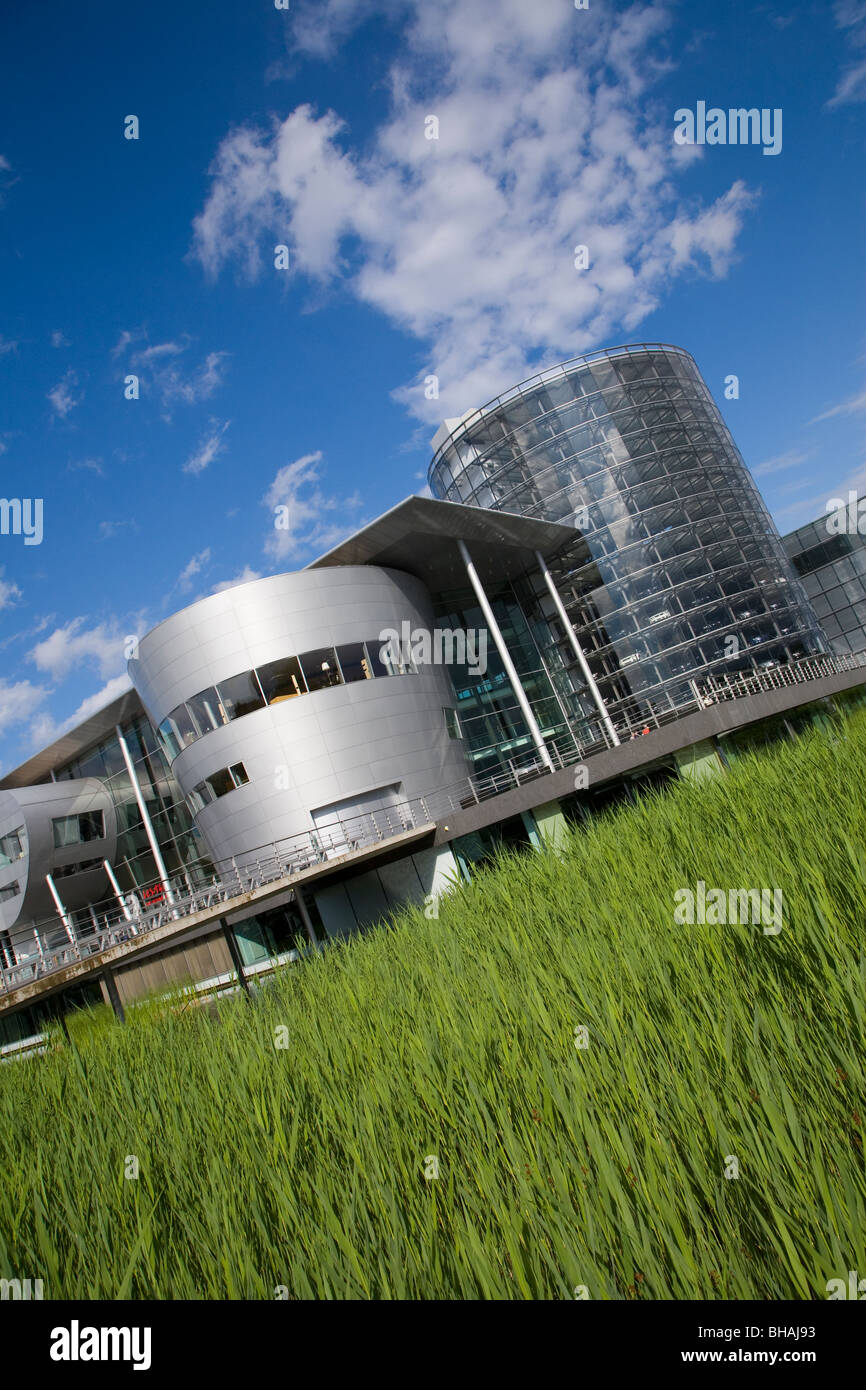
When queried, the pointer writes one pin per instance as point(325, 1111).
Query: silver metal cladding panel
point(320, 748)
point(35, 808)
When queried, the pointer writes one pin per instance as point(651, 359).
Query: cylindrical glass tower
point(678, 570)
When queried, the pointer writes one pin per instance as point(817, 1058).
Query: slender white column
point(499, 641)
point(112, 878)
point(139, 796)
point(61, 910)
point(577, 649)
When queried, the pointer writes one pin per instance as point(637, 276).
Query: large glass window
point(353, 662)
point(12, 846)
point(207, 711)
point(241, 695)
point(281, 680)
point(182, 726)
point(220, 782)
point(321, 669)
point(75, 830)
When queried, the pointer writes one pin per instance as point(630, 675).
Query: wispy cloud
point(307, 510)
point(194, 567)
point(7, 345)
point(62, 396)
point(850, 16)
point(89, 465)
point(166, 369)
point(59, 339)
point(209, 448)
point(9, 593)
point(849, 407)
point(779, 461)
point(246, 574)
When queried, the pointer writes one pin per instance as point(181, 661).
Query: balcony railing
point(45, 948)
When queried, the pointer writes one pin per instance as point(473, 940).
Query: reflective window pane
point(353, 662)
point(241, 695)
point(281, 680)
point(320, 668)
point(207, 711)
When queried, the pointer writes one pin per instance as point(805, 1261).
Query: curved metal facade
point(27, 817)
point(343, 745)
point(680, 567)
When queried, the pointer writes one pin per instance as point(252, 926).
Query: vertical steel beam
point(499, 642)
point(151, 835)
point(577, 649)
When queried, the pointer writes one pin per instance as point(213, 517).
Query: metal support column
point(112, 878)
point(61, 910)
point(151, 836)
point(499, 642)
point(235, 956)
point(305, 916)
point(577, 649)
point(110, 986)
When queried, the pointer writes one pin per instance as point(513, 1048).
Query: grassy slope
point(559, 1166)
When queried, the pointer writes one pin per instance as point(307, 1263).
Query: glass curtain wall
point(681, 569)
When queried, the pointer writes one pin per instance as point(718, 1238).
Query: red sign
point(152, 895)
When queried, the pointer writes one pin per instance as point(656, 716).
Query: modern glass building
point(832, 568)
point(677, 569)
point(284, 772)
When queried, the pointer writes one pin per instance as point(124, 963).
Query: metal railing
point(44, 948)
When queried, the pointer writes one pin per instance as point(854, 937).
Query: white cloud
point(209, 448)
point(849, 407)
point(194, 567)
point(90, 465)
point(7, 345)
point(778, 462)
point(246, 574)
point(311, 525)
point(159, 365)
point(73, 645)
point(62, 396)
point(46, 729)
point(59, 339)
point(18, 699)
point(547, 139)
point(9, 593)
point(850, 16)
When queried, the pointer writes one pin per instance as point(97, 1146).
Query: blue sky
point(408, 256)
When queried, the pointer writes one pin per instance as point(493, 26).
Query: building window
point(76, 830)
point(353, 662)
point(218, 784)
point(12, 847)
point(281, 680)
point(67, 870)
point(11, 890)
point(241, 695)
point(452, 722)
point(321, 669)
point(207, 711)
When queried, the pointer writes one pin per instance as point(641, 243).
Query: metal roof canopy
point(419, 536)
point(99, 726)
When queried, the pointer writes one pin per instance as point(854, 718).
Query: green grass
point(603, 1167)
